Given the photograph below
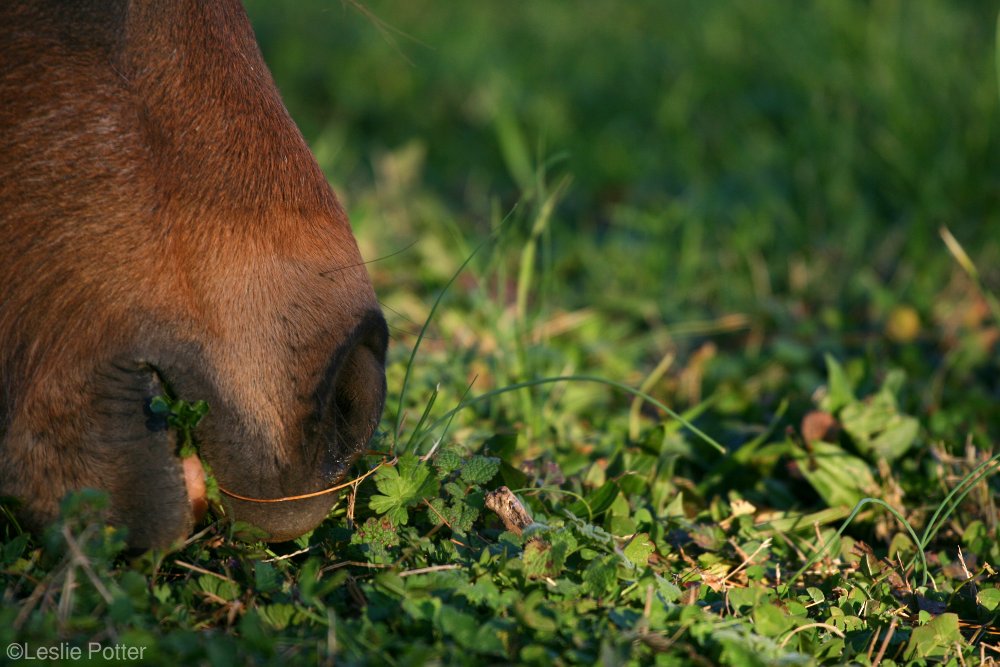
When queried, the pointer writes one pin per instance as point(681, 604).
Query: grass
point(734, 208)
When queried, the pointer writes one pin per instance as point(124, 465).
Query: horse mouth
point(281, 482)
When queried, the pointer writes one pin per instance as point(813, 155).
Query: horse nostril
point(348, 406)
point(350, 409)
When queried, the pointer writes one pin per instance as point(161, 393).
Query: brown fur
point(162, 220)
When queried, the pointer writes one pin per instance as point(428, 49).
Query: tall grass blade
point(584, 378)
point(847, 522)
point(427, 322)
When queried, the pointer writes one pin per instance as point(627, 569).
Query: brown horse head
point(162, 223)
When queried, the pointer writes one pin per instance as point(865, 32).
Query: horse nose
point(347, 409)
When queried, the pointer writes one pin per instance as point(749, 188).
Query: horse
point(166, 232)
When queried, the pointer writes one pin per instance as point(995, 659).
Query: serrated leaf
point(447, 461)
point(454, 490)
point(402, 485)
point(459, 514)
point(483, 592)
point(669, 591)
point(223, 588)
point(379, 533)
point(537, 559)
point(564, 544)
point(877, 427)
point(601, 576)
point(480, 469)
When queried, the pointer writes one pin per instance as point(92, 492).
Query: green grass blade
point(427, 322)
point(836, 536)
point(584, 378)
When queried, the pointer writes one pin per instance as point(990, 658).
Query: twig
point(197, 536)
point(275, 559)
point(80, 559)
point(439, 515)
point(763, 545)
point(426, 457)
point(885, 642)
point(874, 641)
point(201, 570)
point(354, 563)
point(432, 568)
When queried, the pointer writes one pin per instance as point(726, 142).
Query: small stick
point(432, 568)
point(201, 570)
point(510, 510)
point(885, 642)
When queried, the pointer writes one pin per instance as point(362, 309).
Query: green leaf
point(536, 613)
point(225, 589)
point(601, 576)
point(512, 477)
point(877, 427)
point(639, 548)
point(390, 583)
point(480, 469)
point(483, 592)
point(599, 501)
point(838, 477)
point(935, 639)
point(669, 591)
point(378, 534)
point(675, 508)
point(266, 577)
point(447, 461)
point(159, 405)
point(537, 559)
point(564, 544)
point(463, 628)
point(459, 514)
point(989, 598)
point(501, 445)
point(839, 391)
point(771, 621)
point(278, 616)
point(402, 485)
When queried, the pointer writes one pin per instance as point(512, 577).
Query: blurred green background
point(769, 177)
point(702, 137)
